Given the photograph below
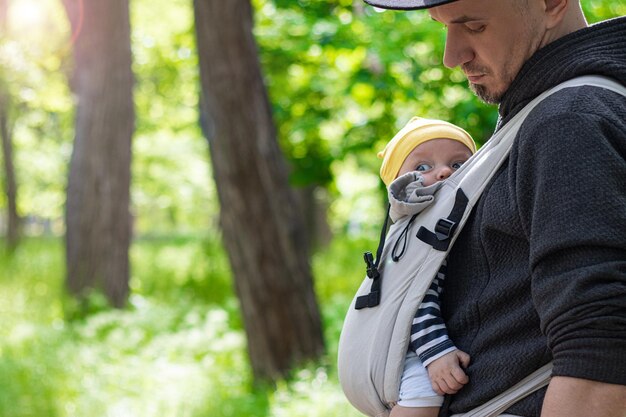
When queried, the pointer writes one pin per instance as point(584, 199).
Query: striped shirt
point(429, 336)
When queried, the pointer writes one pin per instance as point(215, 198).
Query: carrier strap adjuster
point(372, 299)
point(444, 229)
point(369, 300)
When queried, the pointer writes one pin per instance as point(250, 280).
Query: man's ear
point(555, 11)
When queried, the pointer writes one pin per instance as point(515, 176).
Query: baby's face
point(436, 159)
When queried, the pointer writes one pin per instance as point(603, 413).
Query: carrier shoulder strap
point(494, 407)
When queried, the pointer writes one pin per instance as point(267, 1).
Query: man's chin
point(484, 94)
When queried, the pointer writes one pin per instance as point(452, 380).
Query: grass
point(177, 350)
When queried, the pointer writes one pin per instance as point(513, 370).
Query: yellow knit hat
point(417, 131)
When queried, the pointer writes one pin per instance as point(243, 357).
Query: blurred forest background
point(187, 190)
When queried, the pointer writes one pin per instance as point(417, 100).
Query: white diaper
point(415, 387)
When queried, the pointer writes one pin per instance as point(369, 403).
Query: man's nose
point(457, 51)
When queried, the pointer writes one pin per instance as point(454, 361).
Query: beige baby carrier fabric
point(375, 337)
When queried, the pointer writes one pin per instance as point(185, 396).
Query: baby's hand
point(446, 374)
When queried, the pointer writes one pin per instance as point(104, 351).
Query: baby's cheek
point(428, 179)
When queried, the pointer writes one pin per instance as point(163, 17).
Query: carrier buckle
point(372, 270)
point(444, 229)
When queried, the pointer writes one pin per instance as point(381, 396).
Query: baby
point(430, 150)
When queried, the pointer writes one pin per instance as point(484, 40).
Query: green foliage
point(177, 350)
point(342, 79)
point(198, 269)
point(597, 10)
point(32, 65)
point(172, 187)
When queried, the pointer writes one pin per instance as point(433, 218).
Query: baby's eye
point(456, 165)
point(423, 167)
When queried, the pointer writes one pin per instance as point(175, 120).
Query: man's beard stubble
point(481, 92)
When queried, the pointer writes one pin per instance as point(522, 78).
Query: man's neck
point(574, 20)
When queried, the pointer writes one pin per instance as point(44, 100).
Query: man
point(539, 271)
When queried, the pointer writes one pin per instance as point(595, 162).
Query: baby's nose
point(444, 172)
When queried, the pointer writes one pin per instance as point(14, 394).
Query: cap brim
point(406, 4)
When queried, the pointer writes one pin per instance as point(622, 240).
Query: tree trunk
point(98, 193)
point(262, 227)
point(13, 219)
point(314, 203)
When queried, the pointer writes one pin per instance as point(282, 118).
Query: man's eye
point(476, 28)
point(423, 167)
point(456, 165)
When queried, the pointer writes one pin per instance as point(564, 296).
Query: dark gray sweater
point(539, 271)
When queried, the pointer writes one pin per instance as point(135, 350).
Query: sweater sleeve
point(570, 179)
point(429, 336)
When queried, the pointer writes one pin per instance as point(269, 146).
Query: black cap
point(406, 4)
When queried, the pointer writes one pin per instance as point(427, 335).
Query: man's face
point(490, 40)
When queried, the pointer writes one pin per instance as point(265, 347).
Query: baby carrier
point(376, 331)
